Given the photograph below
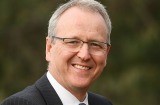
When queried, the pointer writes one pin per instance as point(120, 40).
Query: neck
point(80, 94)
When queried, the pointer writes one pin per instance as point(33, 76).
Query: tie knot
point(82, 104)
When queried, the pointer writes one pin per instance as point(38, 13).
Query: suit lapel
point(90, 100)
point(49, 94)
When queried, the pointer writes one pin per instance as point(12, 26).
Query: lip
point(81, 67)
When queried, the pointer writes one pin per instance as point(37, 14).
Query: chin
point(81, 85)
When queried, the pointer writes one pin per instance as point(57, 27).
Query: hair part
point(89, 5)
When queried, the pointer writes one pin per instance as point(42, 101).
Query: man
point(77, 47)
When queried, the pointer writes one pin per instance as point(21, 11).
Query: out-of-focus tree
point(132, 73)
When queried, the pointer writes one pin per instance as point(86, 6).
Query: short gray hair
point(91, 5)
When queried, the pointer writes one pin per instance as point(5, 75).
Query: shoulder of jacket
point(13, 100)
point(28, 96)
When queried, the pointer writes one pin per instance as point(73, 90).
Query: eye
point(96, 45)
point(72, 41)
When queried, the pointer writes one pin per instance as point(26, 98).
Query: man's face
point(76, 71)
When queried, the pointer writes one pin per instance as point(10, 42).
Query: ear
point(48, 48)
point(108, 49)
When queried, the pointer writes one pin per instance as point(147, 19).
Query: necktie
point(82, 104)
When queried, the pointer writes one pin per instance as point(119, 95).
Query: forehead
point(77, 20)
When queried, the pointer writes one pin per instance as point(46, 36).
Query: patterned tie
point(82, 104)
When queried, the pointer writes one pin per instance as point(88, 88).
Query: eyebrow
point(90, 40)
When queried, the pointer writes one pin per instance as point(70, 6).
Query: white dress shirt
point(66, 97)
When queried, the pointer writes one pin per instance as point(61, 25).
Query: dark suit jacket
point(42, 93)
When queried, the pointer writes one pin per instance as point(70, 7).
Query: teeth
point(81, 67)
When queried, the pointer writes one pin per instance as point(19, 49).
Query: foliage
point(132, 73)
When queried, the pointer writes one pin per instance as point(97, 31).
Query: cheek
point(100, 64)
point(60, 55)
point(101, 61)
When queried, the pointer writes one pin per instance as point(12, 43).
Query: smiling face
point(77, 71)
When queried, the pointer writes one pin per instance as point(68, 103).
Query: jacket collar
point(51, 97)
point(47, 91)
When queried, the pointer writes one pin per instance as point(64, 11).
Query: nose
point(83, 52)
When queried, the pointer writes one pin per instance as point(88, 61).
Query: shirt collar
point(66, 97)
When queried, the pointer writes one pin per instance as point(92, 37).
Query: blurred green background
point(133, 68)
